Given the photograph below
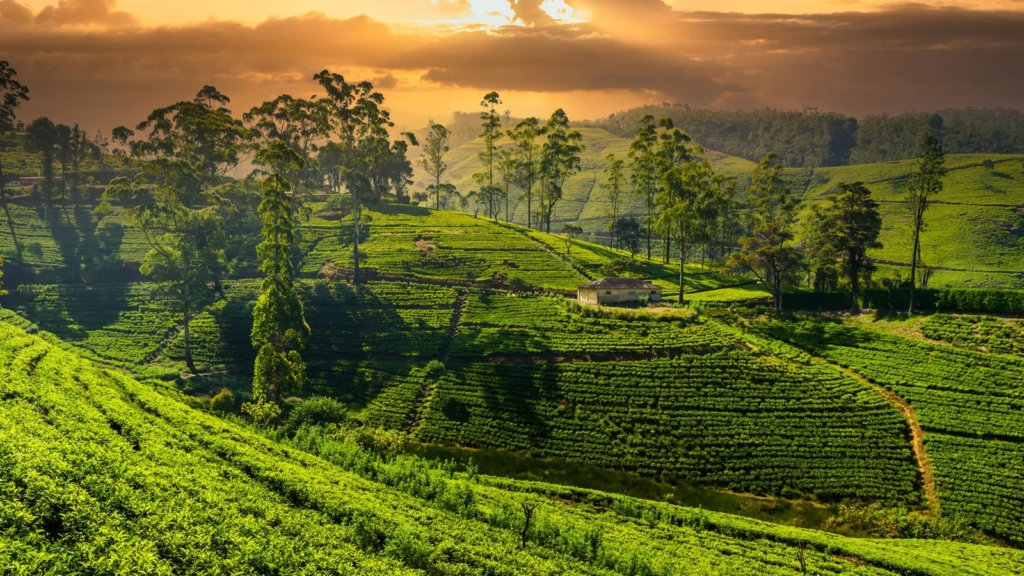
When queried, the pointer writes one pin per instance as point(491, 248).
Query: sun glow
point(557, 9)
point(492, 12)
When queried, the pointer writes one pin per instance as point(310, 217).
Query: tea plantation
point(103, 474)
point(970, 405)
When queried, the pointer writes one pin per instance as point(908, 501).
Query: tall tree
point(361, 126)
point(279, 330)
point(925, 182)
point(849, 226)
point(560, 159)
point(527, 159)
point(189, 148)
point(491, 124)
point(12, 94)
point(432, 158)
point(42, 137)
point(644, 165)
point(689, 192)
point(302, 125)
point(507, 172)
point(768, 251)
point(616, 178)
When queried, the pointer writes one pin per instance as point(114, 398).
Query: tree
point(560, 159)
point(279, 330)
point(189, 148)
point(2, 291)
point(767, 252)
point(42, 137)
point(644, 165)
point(507, 171)
point(489, 193)
point(629, 233)
point(689, 195)
point(300, 124)
point(571, 231)
point(12, 94)
point(850, 226)
point(527, 155)
point(616, 178)
point(432, 157)
point(822, 259)
point(925, 182)
point(361, 126)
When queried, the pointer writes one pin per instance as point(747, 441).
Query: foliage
point(845, 230)
point(108, 445)
point(629, 234)
point(768, 252)
point(432, 158)
point(279, 329)
point(315, 411)
point(559, 159)
point(527, 157)
point(925, 182)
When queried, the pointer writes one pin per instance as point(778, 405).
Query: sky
point(103, 63)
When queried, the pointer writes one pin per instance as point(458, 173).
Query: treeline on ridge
point(810, 138)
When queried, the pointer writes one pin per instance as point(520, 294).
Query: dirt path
point(426, 393)
point(924, 464)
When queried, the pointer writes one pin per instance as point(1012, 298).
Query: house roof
point(620, 283)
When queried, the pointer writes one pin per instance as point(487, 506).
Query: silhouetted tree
point(189, 148)
point(42, 137)
point(12, 94)
point(527, 158)
point(432, 157)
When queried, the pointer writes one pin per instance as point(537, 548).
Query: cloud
point(14, 14)
point(904, 57)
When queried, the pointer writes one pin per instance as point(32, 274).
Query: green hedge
point(941, 300)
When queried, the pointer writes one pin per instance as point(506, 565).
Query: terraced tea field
point(104, 473)
point(970, 406)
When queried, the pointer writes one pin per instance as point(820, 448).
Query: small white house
point(617, 290)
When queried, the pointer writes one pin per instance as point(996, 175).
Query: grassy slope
point(977, 226)
point(584, 196)
point(104, 474)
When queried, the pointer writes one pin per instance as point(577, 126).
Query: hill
point(975, 232)
point(105, 474)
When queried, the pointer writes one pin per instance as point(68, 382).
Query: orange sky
point(107, 62)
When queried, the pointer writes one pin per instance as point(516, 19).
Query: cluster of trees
point(809, 138)
point(537, 160)
point(690, 205)
point(191, 211)
point(836, 237)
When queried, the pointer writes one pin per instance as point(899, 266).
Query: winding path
point(924, 464)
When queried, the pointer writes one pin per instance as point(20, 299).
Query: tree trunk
point(682, 270)
point(3, 189)
point(855, 284)
point(668, 246)
point(188, 337)
point(529, 206)
point(355, 245)
point(913, 264)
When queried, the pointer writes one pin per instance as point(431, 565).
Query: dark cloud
point(13, 13)
point(530, 12)
point(905, 57)
point(85, 12)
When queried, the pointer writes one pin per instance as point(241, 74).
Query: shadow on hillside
point(514, 395)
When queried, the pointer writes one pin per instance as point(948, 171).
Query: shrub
point(317, 411)
point(517, 284)
point(434, 370)
point(224, 401)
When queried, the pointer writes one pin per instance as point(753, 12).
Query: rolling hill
point(105, 474)
point(975, 231)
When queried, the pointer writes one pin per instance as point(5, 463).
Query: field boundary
point(924, 463)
